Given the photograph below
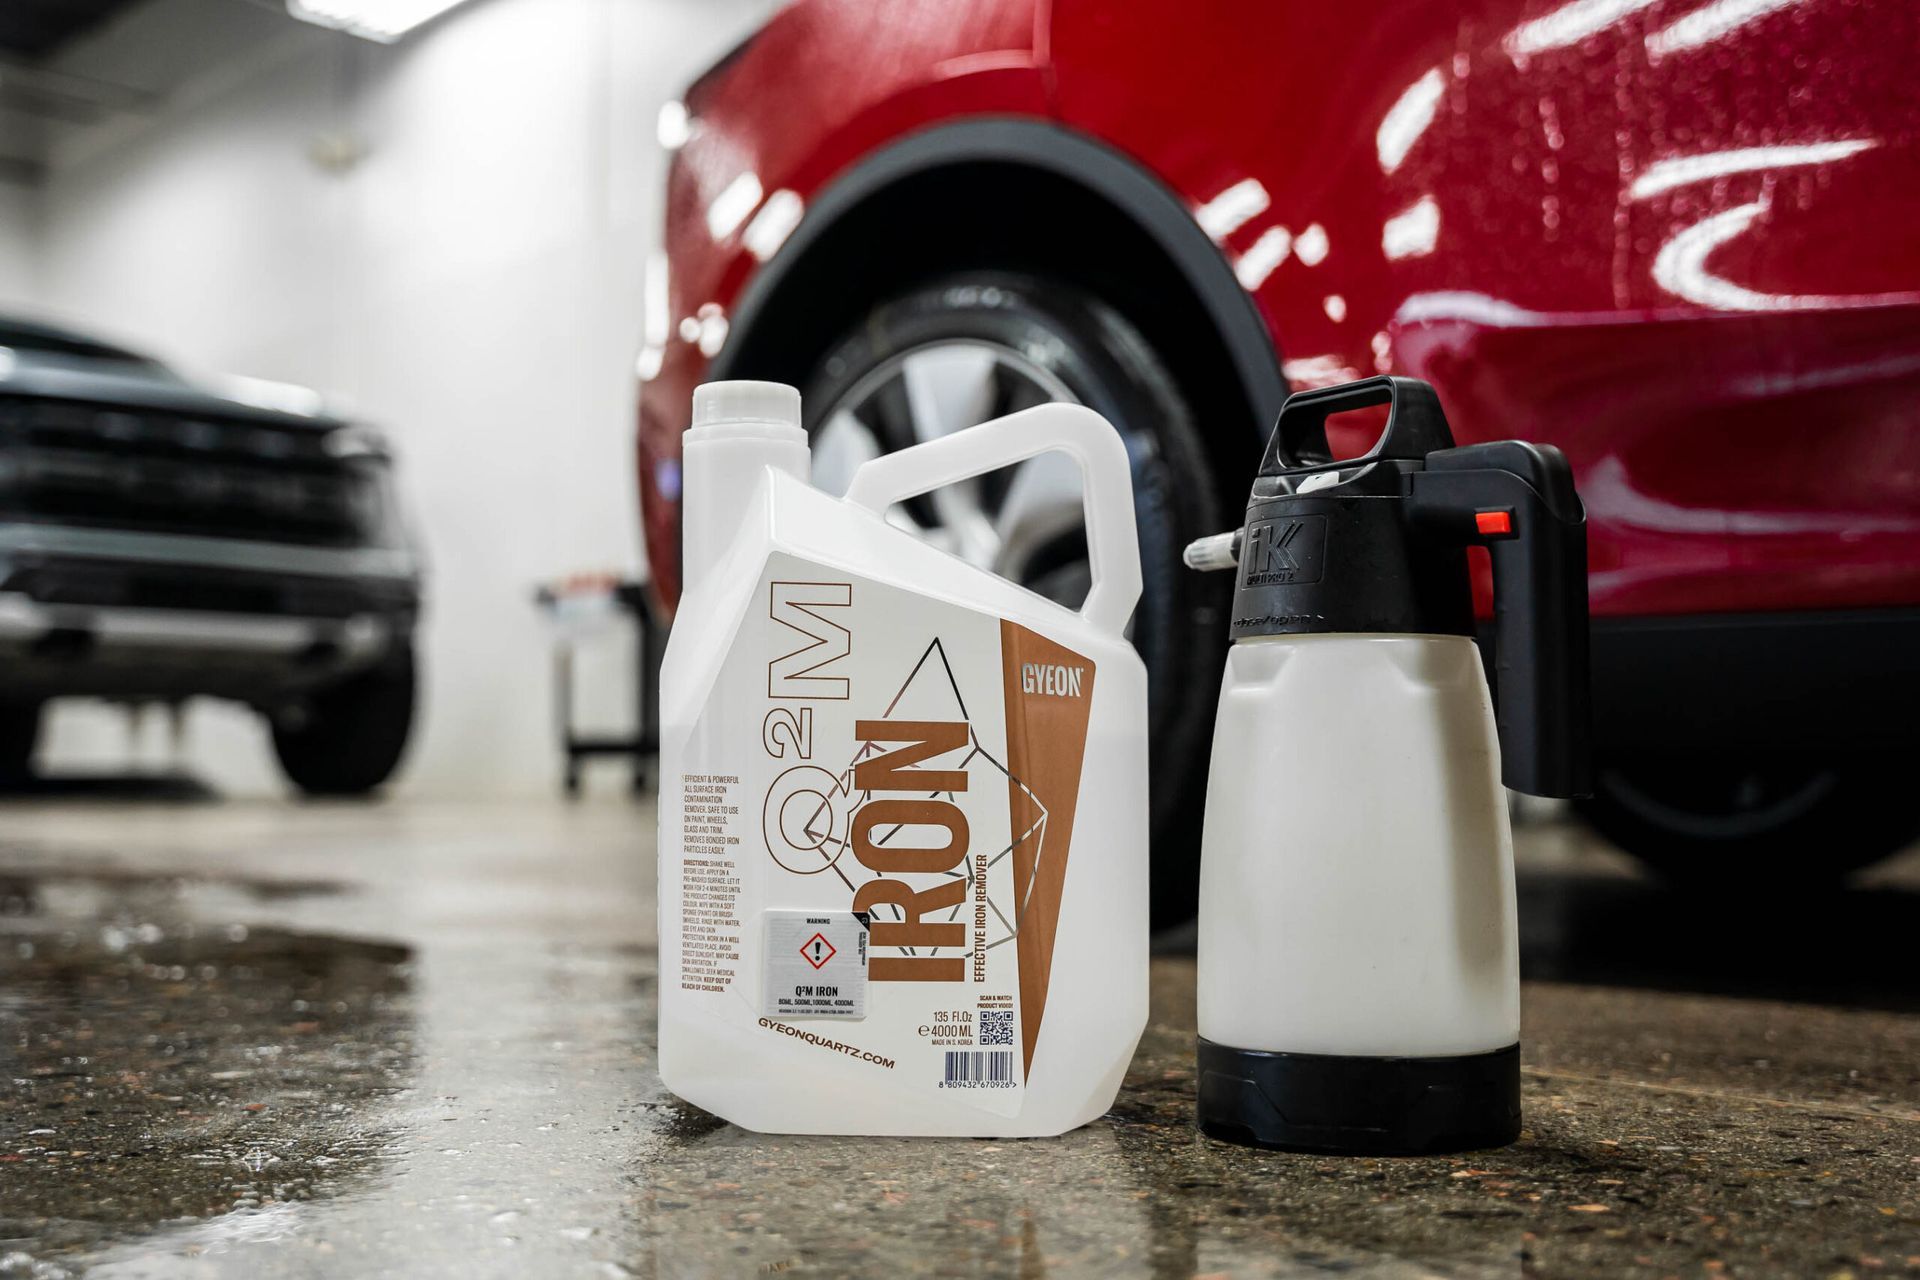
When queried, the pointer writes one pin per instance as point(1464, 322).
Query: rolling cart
point(582, 606)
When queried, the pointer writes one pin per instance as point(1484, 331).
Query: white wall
point(19, 245)
point(471, 282)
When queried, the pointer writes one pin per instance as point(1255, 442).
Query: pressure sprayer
point(1359, 986)
point(903, 801)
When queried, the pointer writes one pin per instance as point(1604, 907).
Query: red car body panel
point(821, 86)
point(1672, 237)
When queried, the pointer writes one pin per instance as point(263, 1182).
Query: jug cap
point(741, 403)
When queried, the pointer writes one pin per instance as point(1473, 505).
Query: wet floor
point(256, 1039)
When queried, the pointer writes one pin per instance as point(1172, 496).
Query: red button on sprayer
point(1491, 523)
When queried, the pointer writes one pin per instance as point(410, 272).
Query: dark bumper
point(148, 617)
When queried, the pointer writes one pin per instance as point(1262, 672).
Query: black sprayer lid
point(1327, 545)
point(1378, 544)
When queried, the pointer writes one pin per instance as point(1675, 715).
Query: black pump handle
point(1518, 501)
point(1416, 426)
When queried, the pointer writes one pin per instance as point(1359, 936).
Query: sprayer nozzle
point(757, 403)
point(1221, 551)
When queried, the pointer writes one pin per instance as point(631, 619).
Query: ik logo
point(1279, 552)
point(1271, 548)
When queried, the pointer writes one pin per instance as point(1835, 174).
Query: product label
point(814, 965)
point(875, 816)
point(710, 882)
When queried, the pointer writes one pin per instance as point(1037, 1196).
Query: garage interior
point(249, 1032)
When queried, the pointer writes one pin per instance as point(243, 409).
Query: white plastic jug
point(903, 801)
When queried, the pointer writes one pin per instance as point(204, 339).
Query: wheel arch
point(1014, 193)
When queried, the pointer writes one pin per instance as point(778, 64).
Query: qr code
point(996, 1026)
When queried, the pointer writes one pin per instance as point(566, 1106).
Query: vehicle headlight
point(357, 441)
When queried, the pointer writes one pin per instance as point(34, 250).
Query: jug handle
point(1106, 484)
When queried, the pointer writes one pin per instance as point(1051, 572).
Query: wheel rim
point(1741, 805)
point(1025, 522)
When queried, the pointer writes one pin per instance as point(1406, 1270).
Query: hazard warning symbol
point(817, 950)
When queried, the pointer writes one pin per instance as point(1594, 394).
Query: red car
point(1675, 238)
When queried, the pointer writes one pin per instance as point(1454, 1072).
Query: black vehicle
point(161, 539)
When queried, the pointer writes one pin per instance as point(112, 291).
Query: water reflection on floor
point(413, 1039)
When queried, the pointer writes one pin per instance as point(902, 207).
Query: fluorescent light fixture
point(1678, 171)
point(1232, 209)
point(382, 20)
point(1317, 371)
point(1704, 26)
point(1681, 269)
point(1459, 306)
point(1412, 234)
point(1681, 265)
point(674, 126)
point(1311, 246)
point(1262, 257)
point(1408, 118)
point(773, 224)
point(731, 207)
point(1569, 25)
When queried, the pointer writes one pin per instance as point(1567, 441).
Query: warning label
point(816, 965)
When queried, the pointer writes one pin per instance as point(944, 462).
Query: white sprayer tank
point(903, 801)
point(1358, 969)
point(1356, 874)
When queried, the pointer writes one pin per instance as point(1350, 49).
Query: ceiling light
point(674, 126)
point(382, 20)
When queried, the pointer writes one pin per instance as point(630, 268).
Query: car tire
point(1103, 361)
point(19, 735)
point(348, 737)
point(1756, 825)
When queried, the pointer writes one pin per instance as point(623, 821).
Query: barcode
point(974, 1067)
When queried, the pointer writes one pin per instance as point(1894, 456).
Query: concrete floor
point(246, 1039)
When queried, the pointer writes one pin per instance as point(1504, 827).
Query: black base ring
point(1357, 1105)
